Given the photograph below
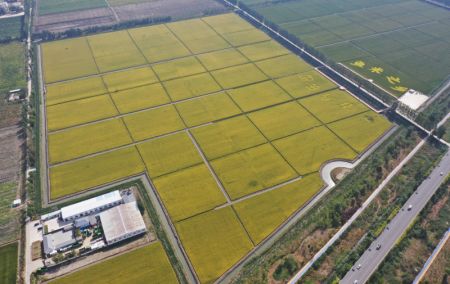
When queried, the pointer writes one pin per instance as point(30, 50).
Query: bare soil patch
point(175, 9)
point(74, 20)
point(12, 147)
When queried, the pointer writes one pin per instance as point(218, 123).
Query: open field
point(12, 67)
point(318, 146)
point(95, 171)
point(228, 136)
point(85, 140)
point(264, 213)
point(11, 28)
point(9, 217)
point(169, 154)
point(143, 265)
point(80, 112)
point(8, 263)
point(60, 16)
point(214, 241)
point(251, 170)
point(60, 6)
point(399, 44)
point(189, 192)
point(74, 90)
point(225, 139)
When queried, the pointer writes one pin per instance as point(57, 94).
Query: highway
point(355, 216)
point(379, 249)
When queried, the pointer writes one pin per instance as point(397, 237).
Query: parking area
point(33, 234)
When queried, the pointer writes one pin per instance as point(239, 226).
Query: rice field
point(252, 170)
point(200, 235)
point(96, 170)
point(225, 122)
point(400, 44)
point(169, 154)
point(188, 192)
point(8, 263)
point(262, 214)
point(137, 266)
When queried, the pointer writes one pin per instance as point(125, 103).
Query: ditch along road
point(379, 249)
point(432, 257)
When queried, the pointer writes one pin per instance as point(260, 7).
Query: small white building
point(91, 206)
point(122, 222)
point(16, 202)
point(413, 99)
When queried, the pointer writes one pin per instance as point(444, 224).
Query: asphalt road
point(372, 257)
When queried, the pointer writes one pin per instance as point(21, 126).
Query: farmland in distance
point(400, 44)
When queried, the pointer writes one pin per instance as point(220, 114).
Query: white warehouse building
point(91, 206)
point(122, 222)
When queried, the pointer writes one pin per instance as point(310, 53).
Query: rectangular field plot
point(140, 98)
point(283, 66)
point(214, 241)
point(74, 90)
point(79, 112)
point(263, 50)
point(192, 86)
point(353, 30)
point(283, 120)
point(153, 122)
point(258, 95)
point(263, 213)
point(197, 36)
point(129, 78)
point(245, 37)
point(251, 170)
point(308, 150)
point(178, 68)
point(333, 105)
point(8, 263)
point(137, 266)
point(158, 43)
point(85, 140)
point(47, 7)
point(207, 109)
point(228, 136)
point(113, 51)
point(97, 170)
point(229, 126)
point(221, 59)
point(189, 192)
point(168, 154)
point(240, 75)
point(67, 59)
point(227, 23)
point(305, 84)
point(361, 130)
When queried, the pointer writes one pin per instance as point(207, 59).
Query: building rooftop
point(413, 99)
point(86, 205)
point(121, 220)
point(58, 240)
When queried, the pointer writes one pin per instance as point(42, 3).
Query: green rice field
point(8, 263)
point(400, 44)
